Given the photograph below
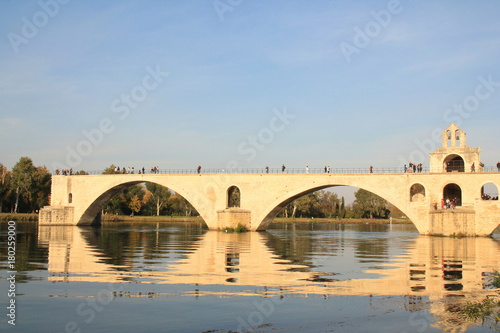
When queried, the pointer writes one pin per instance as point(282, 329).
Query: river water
point(168, 277)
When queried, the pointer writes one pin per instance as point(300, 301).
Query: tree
point(159, 195)
point(23, 179)
point(31, 185)
point(135, 204)
point(328, 202)
point(121, 203)
point(109, 170)
point(180, 206)
point(307, 205)
point(369, 205)
point(5, 184)
point(40, 188)
point(342, 209)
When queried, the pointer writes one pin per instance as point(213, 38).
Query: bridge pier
point(458, 222)
point(233, 218)
point(56, 215)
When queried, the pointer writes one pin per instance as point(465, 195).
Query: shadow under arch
point(281, 203)
point(93, 212)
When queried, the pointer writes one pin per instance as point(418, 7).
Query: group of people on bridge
point(131, 170)
point(413, 168)
point(65, 172)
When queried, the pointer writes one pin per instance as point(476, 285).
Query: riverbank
point(19, 217)
point(341, 221)
point(138, 218)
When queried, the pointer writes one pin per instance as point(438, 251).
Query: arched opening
point(319, 202)
point(453, 193)
point(137, 198)
point(448, 135)
point(489, 191)
point(233, 197)
point(454, 163)
point(417, 193)
point(70, 198)
point(457, 138)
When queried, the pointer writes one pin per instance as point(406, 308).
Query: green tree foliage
point(317, 204)
point(5, 185)
point(31, 185)
point(159, 196)
point(109, 170)
point(40, 191)
point(22, 179)
point(180, 206)
point(147, 199)
point(326, 204)
point(369, 205)
point(342, 213)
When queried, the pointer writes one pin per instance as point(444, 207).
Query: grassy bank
point(18, 217)
point(343, 221)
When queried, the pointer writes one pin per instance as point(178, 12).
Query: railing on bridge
point(277, 171)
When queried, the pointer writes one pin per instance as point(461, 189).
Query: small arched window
point(417, 193)
point(233, 197)
point(70, 198)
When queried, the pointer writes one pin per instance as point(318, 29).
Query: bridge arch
point(276, 207)
point(92, 213)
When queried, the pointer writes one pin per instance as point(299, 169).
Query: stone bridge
point(78, 200)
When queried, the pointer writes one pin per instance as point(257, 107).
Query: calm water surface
point(159, 277)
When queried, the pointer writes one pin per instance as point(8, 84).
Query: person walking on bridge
point(283, 167)
point(498, 166)
point(199, 168)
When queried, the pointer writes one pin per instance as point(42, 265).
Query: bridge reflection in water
point(436, 273)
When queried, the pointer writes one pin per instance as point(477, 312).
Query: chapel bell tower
point(455, 155)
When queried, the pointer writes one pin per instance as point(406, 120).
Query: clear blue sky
point(354, 82)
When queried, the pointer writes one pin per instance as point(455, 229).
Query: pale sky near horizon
point(184, 83)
